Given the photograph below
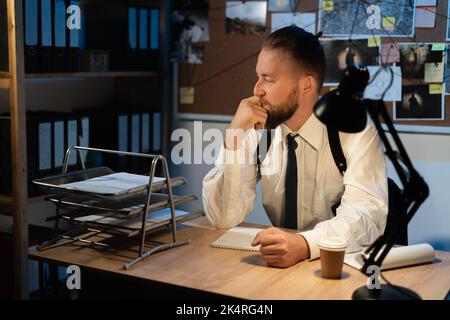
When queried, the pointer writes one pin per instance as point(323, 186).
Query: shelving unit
point(109, 74)
point(15, 81)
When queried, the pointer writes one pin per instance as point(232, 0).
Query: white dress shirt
point(229, 189)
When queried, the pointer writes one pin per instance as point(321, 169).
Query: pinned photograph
point(384, 82)
point(196, 29)
point(447, 72)
point(356, 19)
point(339, 54)
point(413, 58)
point(389, 52)
point(303, 20)
point(246, 17)
point(193, 53)
point(419, 103)
point(283, 5)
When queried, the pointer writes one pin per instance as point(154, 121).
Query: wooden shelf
point(108, 74)
point(6, 203)
point(5, 206)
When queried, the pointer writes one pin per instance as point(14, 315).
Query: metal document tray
point(114, 224)
point(131, 206)
point(56, 183)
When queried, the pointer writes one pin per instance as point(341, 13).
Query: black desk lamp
point(345, 110)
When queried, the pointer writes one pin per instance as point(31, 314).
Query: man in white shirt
point(290, 72)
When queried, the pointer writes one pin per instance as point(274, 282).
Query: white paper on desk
point(425, 17)
point(397, 257)
point(115, 183)
point(306, 21)
point(376, 88)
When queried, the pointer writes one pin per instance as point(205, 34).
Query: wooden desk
point(242, 274)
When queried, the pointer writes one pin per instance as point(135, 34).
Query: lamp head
point(342, 108)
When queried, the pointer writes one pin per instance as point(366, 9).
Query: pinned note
point(373, 42)
point(388, 23)
point(186, 95)
point(390, 52)
point(328, 5)
point(434, 72)
point(425, 17)
point(435, 88)
point(438, 47)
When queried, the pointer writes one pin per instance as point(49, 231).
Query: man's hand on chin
point(281, 249)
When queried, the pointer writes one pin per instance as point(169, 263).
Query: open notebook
point(238, 238)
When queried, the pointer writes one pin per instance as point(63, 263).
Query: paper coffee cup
point(332, 251)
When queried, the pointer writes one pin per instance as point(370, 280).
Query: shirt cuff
point(240, 156)
point(313, 237)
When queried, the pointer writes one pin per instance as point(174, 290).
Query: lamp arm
point(414, 192)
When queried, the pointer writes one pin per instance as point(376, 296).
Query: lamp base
point(387, 292)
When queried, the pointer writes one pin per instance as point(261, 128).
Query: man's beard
point(281, 112)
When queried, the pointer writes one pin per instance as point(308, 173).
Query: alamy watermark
point(373, 282)
point(204, 147)
point(74, 20)
point(74, 279)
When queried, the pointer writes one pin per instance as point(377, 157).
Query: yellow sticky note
point(436, 88)
point(186, 95)
point(388, 23)
point(373, 42)
point(328, 5)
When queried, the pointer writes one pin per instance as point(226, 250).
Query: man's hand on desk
point(281, 249)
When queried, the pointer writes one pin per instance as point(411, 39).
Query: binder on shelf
point(74, 43)
point(3, 37)
point(132, 63)
point(143, 50)
point(31, 36)
point(143, 38)
point(153, 56)
point(59, 28)
point(46, 36)
point(156, 132)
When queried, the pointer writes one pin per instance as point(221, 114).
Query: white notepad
point(238, 238)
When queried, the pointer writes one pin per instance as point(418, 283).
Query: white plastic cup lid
point(333, 244)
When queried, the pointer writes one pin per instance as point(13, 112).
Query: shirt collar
point(311, 131)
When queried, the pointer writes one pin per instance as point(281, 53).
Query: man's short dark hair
point(302, 46)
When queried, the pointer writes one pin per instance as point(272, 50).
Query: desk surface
point(242, 274)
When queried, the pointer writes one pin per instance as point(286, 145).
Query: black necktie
point(290, 193)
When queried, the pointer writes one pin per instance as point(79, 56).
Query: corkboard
point(227, 74)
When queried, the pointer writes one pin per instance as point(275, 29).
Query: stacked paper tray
point(104, 182)
point(129, 206)
point(114, 223)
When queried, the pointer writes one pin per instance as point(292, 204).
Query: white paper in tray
point(115, 183)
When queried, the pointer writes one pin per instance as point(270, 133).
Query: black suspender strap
point(267, 134)
point(333, 139)
point(336, 150)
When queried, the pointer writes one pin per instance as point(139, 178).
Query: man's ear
point(307, 84)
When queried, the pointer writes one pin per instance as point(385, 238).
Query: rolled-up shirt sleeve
point(229, 189)
point(362, 214)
